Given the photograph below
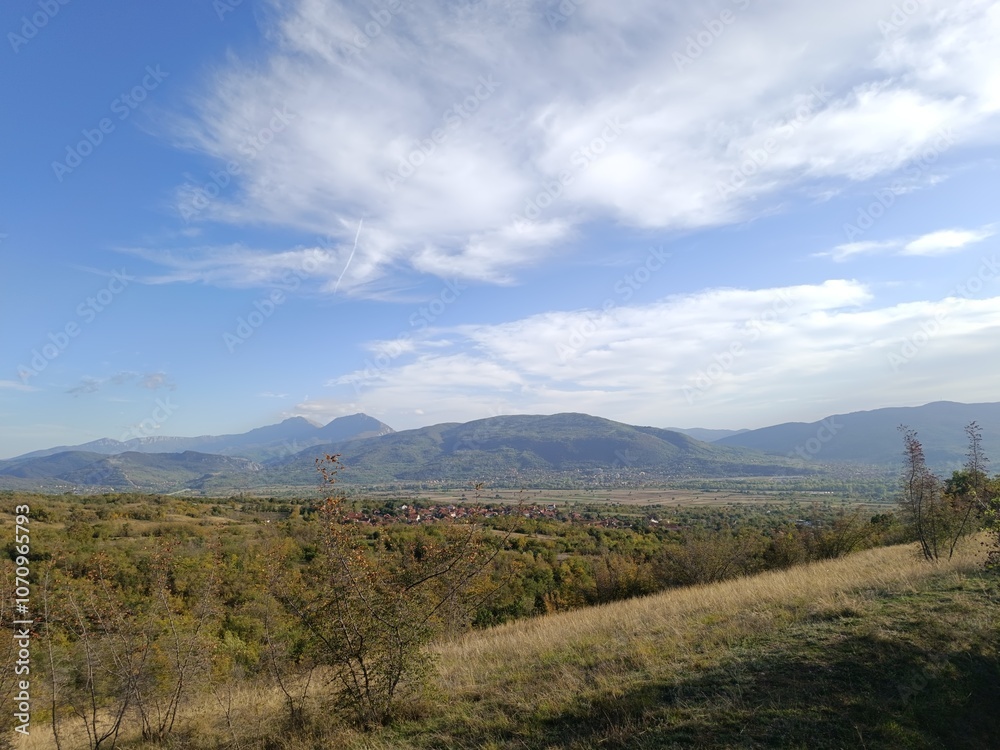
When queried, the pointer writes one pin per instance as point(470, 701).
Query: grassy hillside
point(876, 650)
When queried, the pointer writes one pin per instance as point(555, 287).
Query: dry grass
point(681, 666)
point(688, 667)
point(719, 612)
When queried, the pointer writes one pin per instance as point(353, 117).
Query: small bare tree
point(372, 603)
point(97, 654)
point(942, 513)
point(181, 648)
point(968, 490)
point(922, 500)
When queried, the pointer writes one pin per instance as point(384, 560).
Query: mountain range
point(291, 436)
point(560, 449)
point(520, 449)
point(872, 437)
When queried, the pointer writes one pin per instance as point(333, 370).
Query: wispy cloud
point(684, 130)
point(89, 385)
point(152, 381)
point(941, 242)
point(945, 241)
point(762, 351)
point(852, 249)
point(324, 410)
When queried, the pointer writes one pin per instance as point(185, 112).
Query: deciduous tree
point(373, 602)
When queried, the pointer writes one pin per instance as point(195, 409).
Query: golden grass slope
point(690, 618)
point(878, 649)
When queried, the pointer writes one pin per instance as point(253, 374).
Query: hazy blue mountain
point(353, 427)
point(872, 437)
point(276, 440)
point(704, 434)
point(49, 466)
point(521, 450)
point(126, 471)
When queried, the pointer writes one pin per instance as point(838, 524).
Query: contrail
point(353, 249)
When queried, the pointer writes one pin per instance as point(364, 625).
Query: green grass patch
point(886, 669)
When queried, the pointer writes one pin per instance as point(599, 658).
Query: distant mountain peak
point(289, 436)
point(300, 420)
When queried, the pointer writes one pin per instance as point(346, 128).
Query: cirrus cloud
point(536, 140)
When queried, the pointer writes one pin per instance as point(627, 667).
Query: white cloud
point(852, 249)
point(324, 410)
point(150, 380)
point(722, 356)
point(441, 158)
point(945, 241)
point(941, 242)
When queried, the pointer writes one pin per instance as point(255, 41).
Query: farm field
point(644, 497)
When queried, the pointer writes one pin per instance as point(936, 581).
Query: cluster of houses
point(430, 514)
point(450, 513)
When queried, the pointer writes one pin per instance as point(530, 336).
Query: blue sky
point(218, 215)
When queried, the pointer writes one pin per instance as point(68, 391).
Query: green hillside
point(151, 471)
point(530, 448)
